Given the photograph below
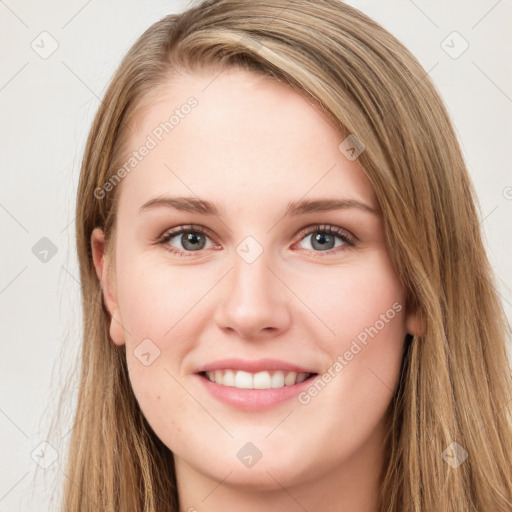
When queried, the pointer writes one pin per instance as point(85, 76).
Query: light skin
point(251, 146)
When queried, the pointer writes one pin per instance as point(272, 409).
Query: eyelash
point(347, 238)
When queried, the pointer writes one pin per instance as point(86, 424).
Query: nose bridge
point(252, 279)
point(254, 300)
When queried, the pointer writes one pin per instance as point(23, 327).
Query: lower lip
point(253, 399)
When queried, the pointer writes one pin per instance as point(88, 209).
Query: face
point(294, 312)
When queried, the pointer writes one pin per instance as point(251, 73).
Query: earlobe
point(108, 290)
point(116, 331)
point(415, 324)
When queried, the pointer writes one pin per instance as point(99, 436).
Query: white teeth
point(261, 380)
point(243, 380)
point(278, 380)
point(228, 379)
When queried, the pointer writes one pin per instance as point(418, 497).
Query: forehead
point(239, 135)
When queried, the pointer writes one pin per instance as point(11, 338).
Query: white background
point(47, 106)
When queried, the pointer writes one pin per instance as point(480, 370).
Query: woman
point(287, 302)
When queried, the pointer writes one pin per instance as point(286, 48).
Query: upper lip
point(253, 366)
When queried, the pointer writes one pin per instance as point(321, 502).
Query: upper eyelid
point(192, 228)
point(337, 230)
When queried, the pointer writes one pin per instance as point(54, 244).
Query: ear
point(415, 324)
point(108, 287)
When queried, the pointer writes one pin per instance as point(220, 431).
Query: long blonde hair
point(455, 383)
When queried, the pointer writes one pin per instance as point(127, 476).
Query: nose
point(254, 301)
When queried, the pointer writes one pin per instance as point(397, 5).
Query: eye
point(323, 238)
point(190, 238)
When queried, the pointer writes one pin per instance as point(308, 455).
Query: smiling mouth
point(240, 379)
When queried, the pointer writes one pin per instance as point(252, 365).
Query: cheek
point(352, 298)
point(155, 300)
point(156, 305)
point(158, 314)
point(363, 309)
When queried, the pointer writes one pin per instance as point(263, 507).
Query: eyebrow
point(196, 205)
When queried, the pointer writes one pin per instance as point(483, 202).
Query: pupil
point(193, 239)
point(322, 238)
